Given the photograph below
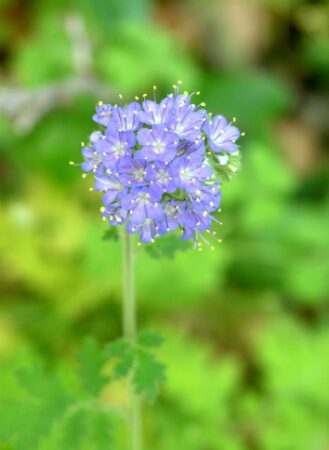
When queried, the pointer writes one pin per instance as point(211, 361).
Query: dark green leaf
point(116, 348)
point(111, 234)
point(122, 351)
point(167, 246)
point(145, 370)
point(124, 364)
point(148, 374)
point(149, 339)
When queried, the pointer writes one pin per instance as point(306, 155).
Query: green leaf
point(228, 171)
point(72, 430)
point(147, 375)
point(99, 431)
point(149, 339)
point(87, 429)
point(29, 412)
point(124, 364)
point(123, 352)
point(111, 234)
point(41, 410)
point(167, 246)
point(116, 348)
point(92, 361)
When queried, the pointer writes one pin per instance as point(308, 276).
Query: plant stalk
point(129, 329)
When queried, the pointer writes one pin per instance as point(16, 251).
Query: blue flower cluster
point(153, 163)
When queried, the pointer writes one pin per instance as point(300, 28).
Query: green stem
point(129, 328)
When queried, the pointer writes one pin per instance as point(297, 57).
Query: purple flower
point(103, 114)
point(132, 171)
point(93, 161)
point(190, 171)
point(156, 166)
point(114, 145)
point(206, 197)
point(221, 135)
point(159, 178)
point(114, 213)
point(191, 148)
point(154, 113)
point(171, 211)
point(95, 136)
point(121, 142)
point(146, 229)
point(111, 186)
point(127, 118)
point(158, 143)
point(142, 205)
point(187, 121)
point(195, 219)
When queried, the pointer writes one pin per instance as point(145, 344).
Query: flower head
point(221, 135)
point(155, 164)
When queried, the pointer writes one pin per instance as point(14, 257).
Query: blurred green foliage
point(246, 325)
point(64, 409)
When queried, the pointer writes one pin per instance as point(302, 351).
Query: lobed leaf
point(92, 361)
point(147, 375)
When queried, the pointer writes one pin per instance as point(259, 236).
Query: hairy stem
point(129, 328)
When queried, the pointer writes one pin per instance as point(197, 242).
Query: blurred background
point(246, 325)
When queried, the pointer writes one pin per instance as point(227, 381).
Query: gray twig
point(26, 107)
